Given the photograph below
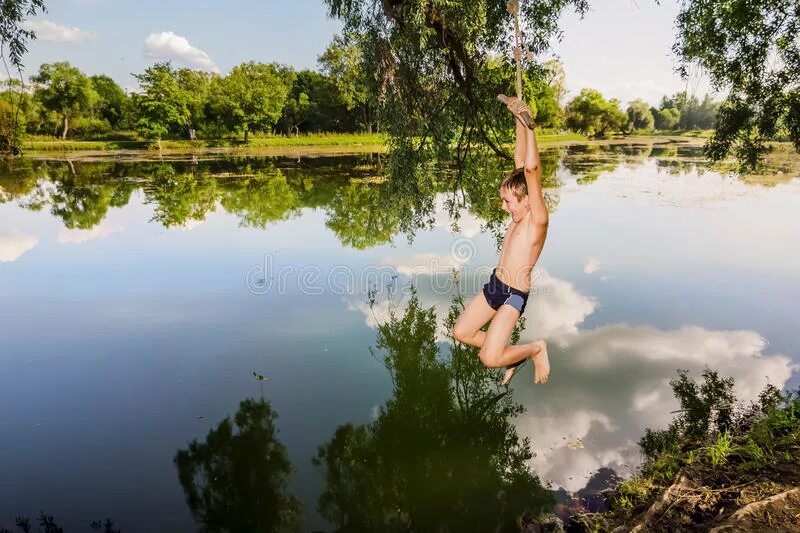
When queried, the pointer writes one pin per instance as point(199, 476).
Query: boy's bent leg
point(467, 328)
point(496, 352)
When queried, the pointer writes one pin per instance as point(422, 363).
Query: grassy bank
point(320, 143)
point(127, 143)
point(374, 141)
point(718, 467)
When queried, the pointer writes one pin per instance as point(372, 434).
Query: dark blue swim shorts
point(498, 293)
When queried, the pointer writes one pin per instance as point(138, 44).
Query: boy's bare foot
point(521, 111)
point(510, 370)
point(542, 363)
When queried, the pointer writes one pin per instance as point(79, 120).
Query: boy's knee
point(459, 333)
point(488, 358)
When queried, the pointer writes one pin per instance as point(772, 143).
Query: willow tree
point(434, 67)
point(14, 37)
point(751, 52)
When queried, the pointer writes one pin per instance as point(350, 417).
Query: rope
point(513, 9)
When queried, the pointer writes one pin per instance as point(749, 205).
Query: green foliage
point(667, 119)
point(779, 426)
point(430, 66)
point(260, 199)
point(195, 84)
point(324, 110)
point(12, 123)
point(655, 443)
point(251, 97)
point(739, 445)
point(632, 493)
point(544, 103)
point(112, 104)
point(706, 408)
point(162, 104)
point(750, 51)
point(179, 197)
point(343, 62)
point(718, 452)
point(356, 221)
point(754, 454)
point(663, 469)
point(443, 453)
point(682, 111)
point(65, 90)
point(236, 480)
point(639, 115)
point(591, 114)
point(13, 36)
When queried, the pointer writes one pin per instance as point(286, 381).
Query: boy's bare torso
point(522, 245)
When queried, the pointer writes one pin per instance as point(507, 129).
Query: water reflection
point(236, 480)
point(608, 381)
point(13, 244)
point(651, 267)
point(443, 453)
point(363, 208)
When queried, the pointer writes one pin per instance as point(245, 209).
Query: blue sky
point(621, 47)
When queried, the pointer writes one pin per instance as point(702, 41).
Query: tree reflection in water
point(236, 481)
point(367, 201)
point(443, 453)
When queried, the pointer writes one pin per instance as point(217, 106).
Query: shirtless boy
point(504, 297)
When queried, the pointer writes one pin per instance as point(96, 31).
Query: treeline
point(591, 114)
point(271, 98)
point(185, 103)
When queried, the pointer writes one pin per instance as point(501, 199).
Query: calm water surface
point(139, 298)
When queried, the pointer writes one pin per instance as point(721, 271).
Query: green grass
point(44, 144)
point(545, 137)
point(700, 134)
point(765, 433)
point(128, 141)
point(632, 493)
point(718, 452)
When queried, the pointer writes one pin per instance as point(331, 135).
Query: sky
point(621, 47)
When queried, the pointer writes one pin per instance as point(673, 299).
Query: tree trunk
point(66, 128)
point(246, 132)
point(367, 121)
point(160, 154)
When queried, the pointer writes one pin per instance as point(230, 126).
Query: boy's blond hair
point(515, 182)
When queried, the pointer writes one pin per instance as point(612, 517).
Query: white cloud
point(13, 244)
point(169, 46)
point(50, 31)
point(555, 307)
point(79, 236)
point(592, 265)
point(419, 264)
point(188, 225)
point(468, 224)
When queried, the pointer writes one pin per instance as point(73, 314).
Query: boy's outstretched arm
point(533, 177)
point(520, 147)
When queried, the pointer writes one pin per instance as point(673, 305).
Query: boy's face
point(516, 208)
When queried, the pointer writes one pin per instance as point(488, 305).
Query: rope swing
point(513, 9)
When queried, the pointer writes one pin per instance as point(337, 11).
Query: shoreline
point(313, 146)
